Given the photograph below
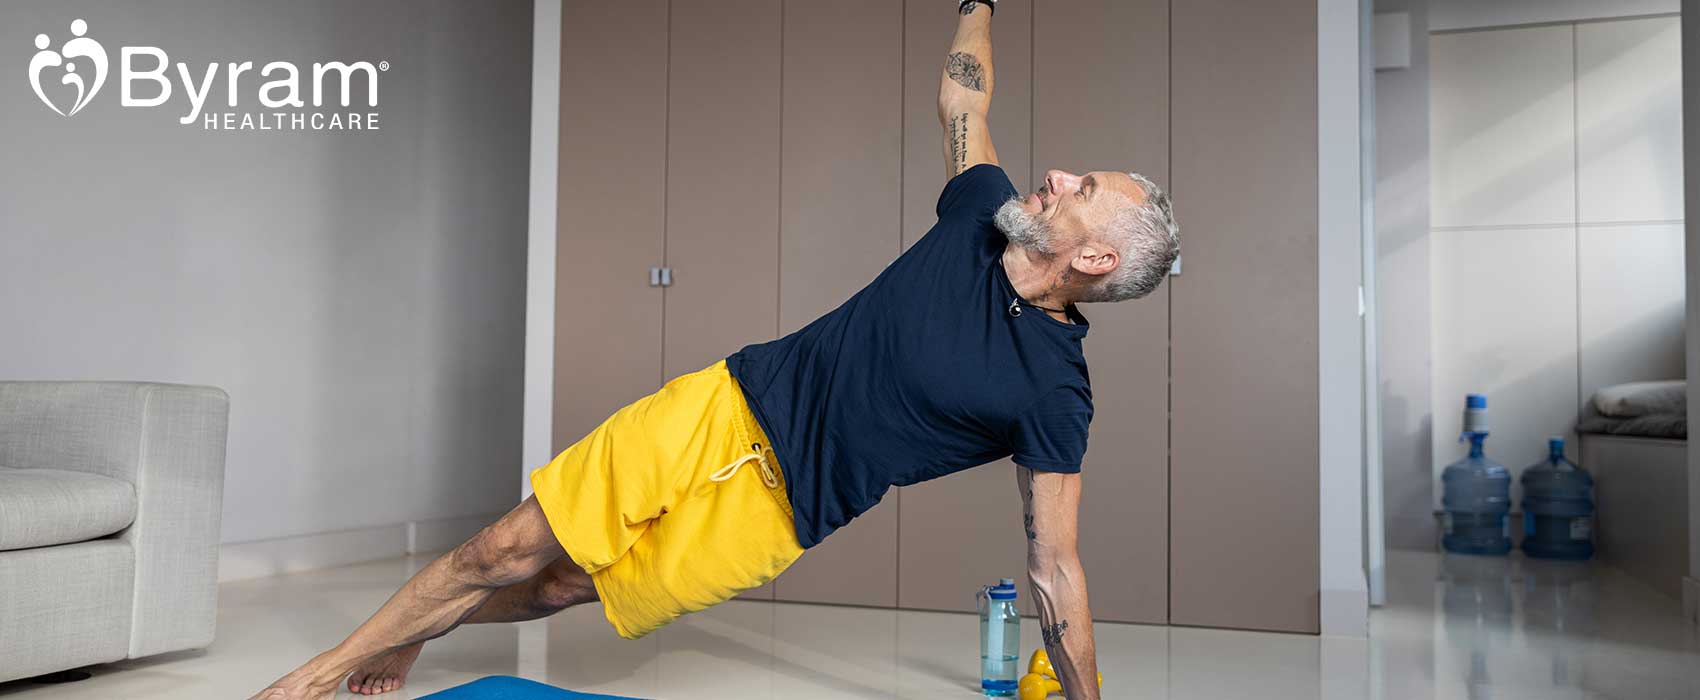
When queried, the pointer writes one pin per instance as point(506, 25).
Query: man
point(965, 350)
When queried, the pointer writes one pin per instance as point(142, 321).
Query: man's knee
point(563, 586)
point(510, 550)
point(495, 558)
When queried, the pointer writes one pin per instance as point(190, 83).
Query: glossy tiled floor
point(1454, 628)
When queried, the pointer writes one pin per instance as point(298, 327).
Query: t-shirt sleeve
point(1050, 435)
point(977, 190)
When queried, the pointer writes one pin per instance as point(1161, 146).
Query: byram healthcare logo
point(80, 47)
point(144, 69)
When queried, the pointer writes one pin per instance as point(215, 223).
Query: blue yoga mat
point(510, 688)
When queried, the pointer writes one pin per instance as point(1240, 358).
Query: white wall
point(359, 294)
point(1446, 15)
point(541, 238)
point(1556, 215)
point(1402, 278)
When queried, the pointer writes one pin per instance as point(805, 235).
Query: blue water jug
point(1477, 492)
point(1000, 638)
point(1558, 507)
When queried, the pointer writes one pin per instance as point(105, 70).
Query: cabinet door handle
point(666, 276)
point(654, 276)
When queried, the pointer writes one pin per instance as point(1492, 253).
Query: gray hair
point(1148, 240)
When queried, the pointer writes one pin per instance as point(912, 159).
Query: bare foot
point(385, 673)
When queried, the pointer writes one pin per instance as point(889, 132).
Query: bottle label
point(1475, 420)
point(1581, 529)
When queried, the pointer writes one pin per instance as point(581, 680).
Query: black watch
point(988, 3)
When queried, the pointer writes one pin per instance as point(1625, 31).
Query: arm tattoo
point(1024, 483)
point(959, 142)
point(966, 70)
point(1053, 634)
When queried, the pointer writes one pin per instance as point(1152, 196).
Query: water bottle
point(1558, 507)
point(1000, 638)
point(1477, 492)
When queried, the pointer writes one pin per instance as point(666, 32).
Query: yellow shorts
point(674, 504)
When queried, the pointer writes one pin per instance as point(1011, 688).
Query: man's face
point(1067, 210)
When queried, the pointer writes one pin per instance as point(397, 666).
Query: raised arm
point(965, 92)
point(1050, 507)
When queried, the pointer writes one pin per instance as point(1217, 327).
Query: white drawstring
point(767, 474)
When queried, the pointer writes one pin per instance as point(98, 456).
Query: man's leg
point(560, 586)
point(434, 601)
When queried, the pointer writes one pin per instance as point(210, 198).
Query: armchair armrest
point(169, 441)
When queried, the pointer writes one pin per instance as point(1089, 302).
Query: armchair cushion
point(44, 507)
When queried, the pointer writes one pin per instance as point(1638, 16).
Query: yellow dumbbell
point(1034, 686)
point(1040, 664)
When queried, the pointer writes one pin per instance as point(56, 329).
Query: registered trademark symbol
point(383, 65)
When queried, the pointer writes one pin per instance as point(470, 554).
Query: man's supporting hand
point(1050, 515)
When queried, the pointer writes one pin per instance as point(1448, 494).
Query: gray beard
point(1024, 229)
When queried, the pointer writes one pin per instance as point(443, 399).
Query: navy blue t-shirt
point(922, 373)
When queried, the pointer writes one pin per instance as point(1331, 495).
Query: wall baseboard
point(322, 550)
point(1345, 613)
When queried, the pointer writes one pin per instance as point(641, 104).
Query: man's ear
point(1095, 261)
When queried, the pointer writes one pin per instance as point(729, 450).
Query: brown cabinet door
point(722, 180)
point(963, 531)
point(839, 211)
point(1100, 103)
point(722, 184)
point(957, 534)
point(1244, 538)
point(613, 168)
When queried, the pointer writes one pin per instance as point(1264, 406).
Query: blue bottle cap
point(1475, 401)
point(1005, 590)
